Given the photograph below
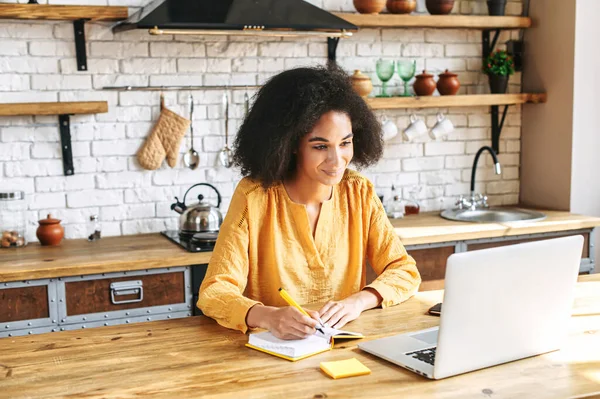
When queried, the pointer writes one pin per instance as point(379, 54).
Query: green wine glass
point(385, 71)
point(406, 70)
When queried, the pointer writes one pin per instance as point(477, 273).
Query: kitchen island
point(194, 357)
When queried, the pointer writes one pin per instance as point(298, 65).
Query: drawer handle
point(126, 288)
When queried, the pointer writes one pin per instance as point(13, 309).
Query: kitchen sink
point(493, 215)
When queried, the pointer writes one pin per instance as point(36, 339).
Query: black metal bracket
point(79, 31)
point(64, 124)
point(485, 41)
point(497, 126)
point(332, 43)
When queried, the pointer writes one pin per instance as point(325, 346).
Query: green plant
point(500, 63)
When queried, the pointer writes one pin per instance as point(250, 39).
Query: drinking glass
point(406, 70)
point(385, 71)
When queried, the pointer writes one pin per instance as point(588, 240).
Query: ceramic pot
point(369, 6)
point(361, 83)
point(498, 84)
point(424, 84)
point(401, 6)
point(439, 7)
point(50, 231)
point(448, 83)
point(496, 7)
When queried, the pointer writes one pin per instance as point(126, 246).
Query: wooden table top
point(149, 251)
point(194, 357)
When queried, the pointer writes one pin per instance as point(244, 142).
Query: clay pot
point(439, 7)
point(369, 6)
point(401, 6)
point(424, 84)
point(448, 83)
point(361, 83)
point(50, 232)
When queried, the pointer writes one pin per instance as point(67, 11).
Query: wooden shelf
point(62, 12)
point(435, 21)
point(60, 108)
point(471, 100)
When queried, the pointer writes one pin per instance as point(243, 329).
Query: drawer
point(495, 244)
point(431, 263)
point(27, 305)
point(87, 299)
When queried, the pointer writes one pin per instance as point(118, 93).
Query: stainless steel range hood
point(237, 17)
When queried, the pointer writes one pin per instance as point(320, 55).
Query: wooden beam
point(472, 100)
point(62, 12)
point(58, 108)
point(435, 21)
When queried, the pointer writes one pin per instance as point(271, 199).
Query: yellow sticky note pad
point(344, 368)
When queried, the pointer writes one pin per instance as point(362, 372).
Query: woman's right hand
point(284, 323)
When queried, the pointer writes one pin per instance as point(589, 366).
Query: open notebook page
point(290, 348)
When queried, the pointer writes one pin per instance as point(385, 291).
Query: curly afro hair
point(287, 107)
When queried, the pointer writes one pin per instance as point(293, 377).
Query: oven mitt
point(164, 140)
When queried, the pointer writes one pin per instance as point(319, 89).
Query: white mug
point(416, 128)
point(389, 129)
point(442, 127)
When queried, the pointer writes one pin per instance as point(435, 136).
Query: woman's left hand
point(337, 314)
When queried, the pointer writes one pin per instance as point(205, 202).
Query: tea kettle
point(201, 217)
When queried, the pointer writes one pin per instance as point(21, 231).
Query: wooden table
point(149, 251)
point(194, 357)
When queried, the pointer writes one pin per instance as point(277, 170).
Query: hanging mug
point(388, 128)
point(442, 127)
point(415, 129)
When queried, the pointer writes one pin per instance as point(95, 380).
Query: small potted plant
point(499, 65)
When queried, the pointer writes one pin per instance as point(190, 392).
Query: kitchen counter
point(149, 251)
point(194, 357)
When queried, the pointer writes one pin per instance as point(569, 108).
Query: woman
point(300, 219)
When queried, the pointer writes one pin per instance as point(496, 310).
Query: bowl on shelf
point(369, 6)
point(401, 6)
point(439, 7)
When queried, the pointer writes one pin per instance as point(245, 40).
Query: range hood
point(237, 17)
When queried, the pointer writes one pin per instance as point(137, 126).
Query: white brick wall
point(37, 63)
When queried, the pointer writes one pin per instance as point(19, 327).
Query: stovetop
point(187, 244)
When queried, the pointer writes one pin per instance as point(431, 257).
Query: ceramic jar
point(401, 6)
point(50, 231)
point(361, 83)
point(369, 6)
point(448, 83)
point(439, 7)
point(424, 84)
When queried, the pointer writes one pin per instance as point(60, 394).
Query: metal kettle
point(201, 217)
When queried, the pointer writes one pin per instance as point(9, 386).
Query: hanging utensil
point(226, 156)
point(191, 159)
point(246, 103)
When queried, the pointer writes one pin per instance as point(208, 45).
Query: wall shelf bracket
point(79, 31)
point(332, 43)
point(497, 124)
point(485, 41)
point(64, 124)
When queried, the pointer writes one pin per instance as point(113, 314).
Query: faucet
point(478, 200)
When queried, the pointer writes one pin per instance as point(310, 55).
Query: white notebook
point(300, 348)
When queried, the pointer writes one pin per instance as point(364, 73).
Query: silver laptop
point(500, 304)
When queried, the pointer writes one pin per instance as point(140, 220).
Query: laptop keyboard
point(424, 355)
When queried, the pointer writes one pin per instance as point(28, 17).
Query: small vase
point(424, 84)
point(50, 232)
point(361, 83)
point(498, 84)
point(496, 7)
point(448, 83)
point(369, 6)
point(401, 6)
point(439, 7)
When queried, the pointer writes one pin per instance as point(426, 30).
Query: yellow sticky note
point(344, 368)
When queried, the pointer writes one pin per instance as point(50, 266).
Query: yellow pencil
point(290, 301)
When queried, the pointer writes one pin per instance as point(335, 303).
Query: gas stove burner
point(190, 242)
point(205, 238)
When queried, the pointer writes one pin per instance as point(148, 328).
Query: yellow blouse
point(265, 242)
